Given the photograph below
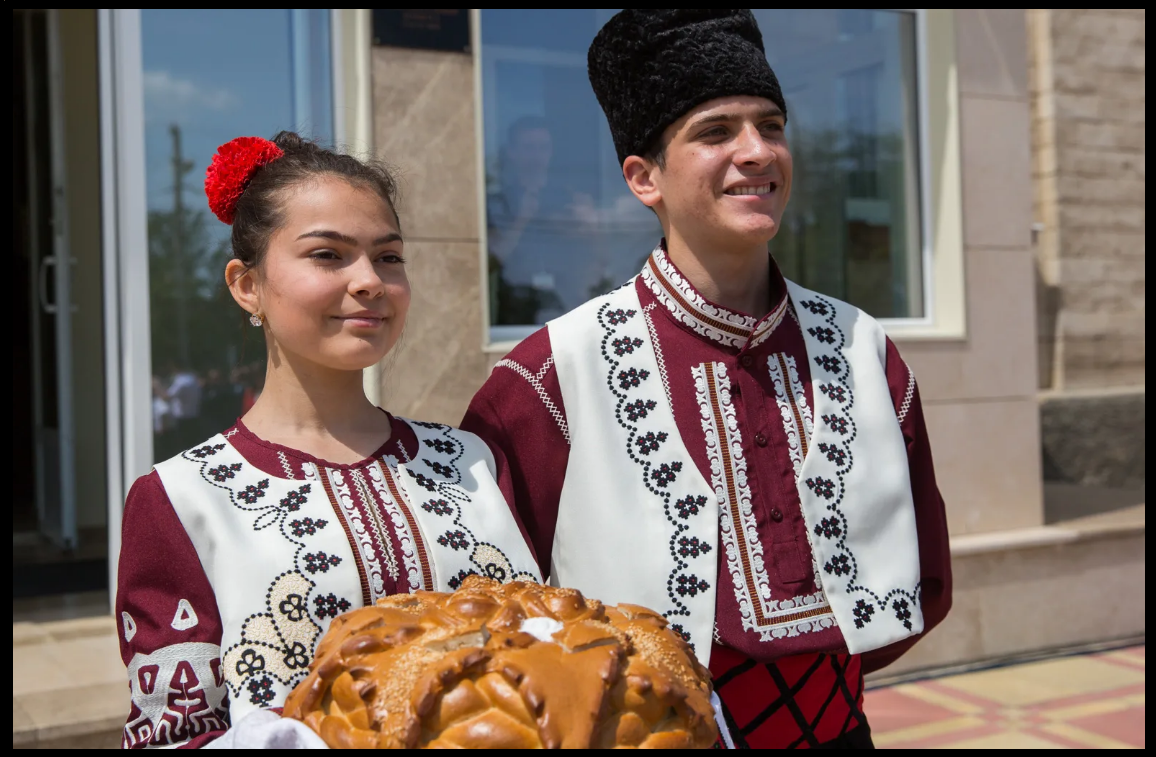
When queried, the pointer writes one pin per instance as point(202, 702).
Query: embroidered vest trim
point(633, 499)
point(854, 484)
point(637, 521)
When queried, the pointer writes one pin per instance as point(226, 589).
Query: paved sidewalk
point(1093, 700)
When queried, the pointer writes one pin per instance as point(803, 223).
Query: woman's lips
point(362, 321)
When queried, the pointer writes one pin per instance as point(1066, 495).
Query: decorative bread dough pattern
point(434, 670)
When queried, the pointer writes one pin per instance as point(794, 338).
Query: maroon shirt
point(520, 410)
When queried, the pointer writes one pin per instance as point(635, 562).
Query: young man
point(711, 440)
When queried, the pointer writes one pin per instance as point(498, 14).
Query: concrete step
point(1062, 586)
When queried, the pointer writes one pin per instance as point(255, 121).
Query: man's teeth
point(761, 190)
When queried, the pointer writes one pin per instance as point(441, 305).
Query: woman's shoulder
point(441, 437)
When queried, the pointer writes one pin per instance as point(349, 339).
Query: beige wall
point(424, 125)
point(979, 391)
point(1087, 89)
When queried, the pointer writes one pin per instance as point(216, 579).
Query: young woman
point(238, 553)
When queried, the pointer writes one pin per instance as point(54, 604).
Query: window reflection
point(562, 226)
point(209, 76)
point(852, 229)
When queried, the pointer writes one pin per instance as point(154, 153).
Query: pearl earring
point(256, 319)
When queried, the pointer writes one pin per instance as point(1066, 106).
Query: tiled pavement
point(69, 690)
point(1076, 702)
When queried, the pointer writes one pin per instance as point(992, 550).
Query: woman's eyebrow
point(337, 236)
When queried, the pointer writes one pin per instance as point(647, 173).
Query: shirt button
point(746, 361)
point(777, 515)
point(761, 440)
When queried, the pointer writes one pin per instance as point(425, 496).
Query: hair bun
point(231, 170)
point(291, 141)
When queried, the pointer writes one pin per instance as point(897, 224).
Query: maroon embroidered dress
point(800, 688)
point(331, 538)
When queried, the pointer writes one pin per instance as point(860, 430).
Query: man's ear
point(641, 175)
point(243, 286)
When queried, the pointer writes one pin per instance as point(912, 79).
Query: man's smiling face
point(726, 171)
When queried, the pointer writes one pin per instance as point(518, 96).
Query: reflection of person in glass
point(747, 457)
point(238, 552)
point(532, 226)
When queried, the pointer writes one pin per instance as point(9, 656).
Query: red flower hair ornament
point(231, 169)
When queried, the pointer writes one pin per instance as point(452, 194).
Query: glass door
point(182, 363)
point(45, 256)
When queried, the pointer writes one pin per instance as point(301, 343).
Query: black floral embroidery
point(815, 306)
point(293, 607)
point(822, 333)
point(639, 409)
point(297, 656)
point(836, 423)
point(902, 612)
point(829, 527)
point(862, 612)
point(444, 446)
point(688, 506)
point(319, 562)
point(649, 441)
point(690, 585)
point(620, 316)
point(834, 391)
point(223, 473)
point(253, 492)
point(250, 662)
point(454, 540)
point(682, 632)
point(840, 390)
point(626, 346)
point(833, 453)
point(330, 606)
point(690, 546)
point(261, 690)
point(437, 507)
point(455, 582)
point(832, 364)
point(631, 378)
point(452, 501)
point(496, 572)
point(423, 480)
point(209, 449)
point(444, 471)
point(306, 526)
point(823, 487)
point(427, 424)
point(839, 565)
point(294, 499)
point(664, 474)
point(641, 444)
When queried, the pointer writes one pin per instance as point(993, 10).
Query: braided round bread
point(513, 665)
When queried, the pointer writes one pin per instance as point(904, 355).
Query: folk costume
point(765, 483)
point(237, 554)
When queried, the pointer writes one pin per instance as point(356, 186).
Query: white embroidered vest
point(639, 523)
point(279, 557)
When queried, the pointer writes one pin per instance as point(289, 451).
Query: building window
point(210, 76)
point(562, 227)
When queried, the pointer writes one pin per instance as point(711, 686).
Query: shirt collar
point(710, 321)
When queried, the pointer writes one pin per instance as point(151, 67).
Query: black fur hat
point(649, 67)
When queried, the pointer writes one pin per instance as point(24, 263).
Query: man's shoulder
point(533, 350)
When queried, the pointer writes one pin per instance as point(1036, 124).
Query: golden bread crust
point(466, 670)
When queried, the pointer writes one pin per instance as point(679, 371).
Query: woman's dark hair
point(261, 207)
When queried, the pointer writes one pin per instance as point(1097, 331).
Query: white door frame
point(125, 261)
